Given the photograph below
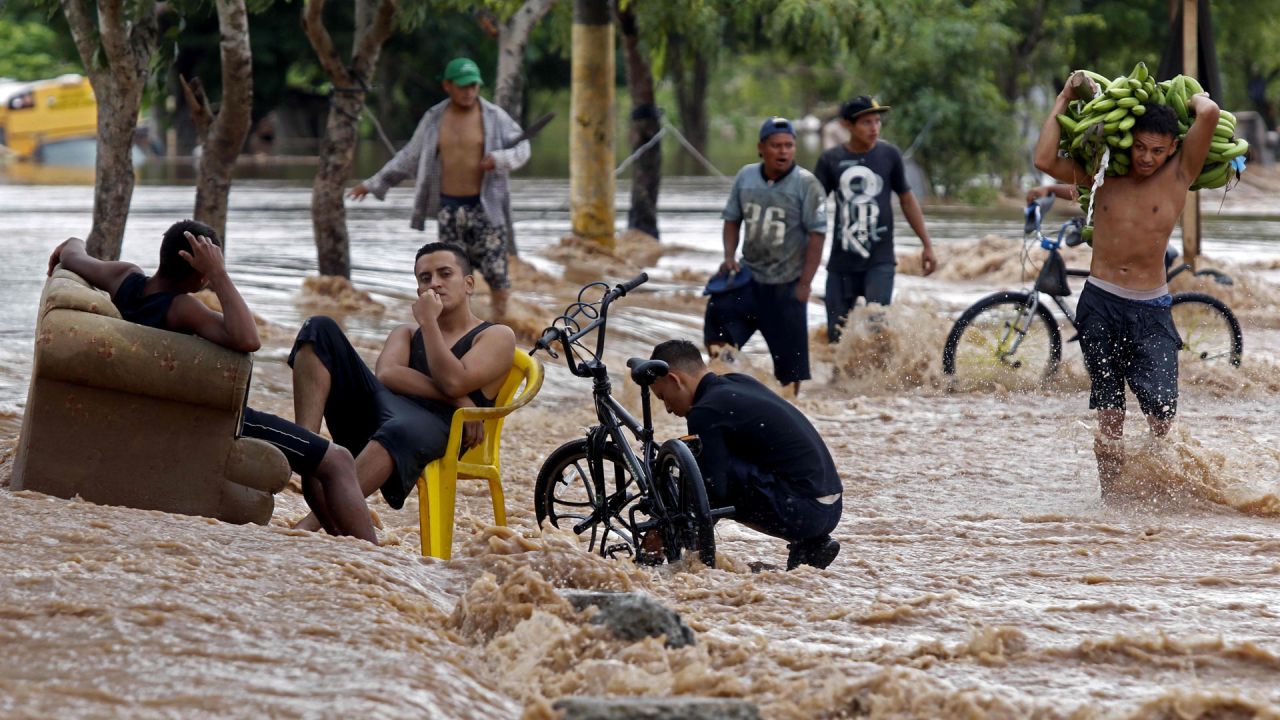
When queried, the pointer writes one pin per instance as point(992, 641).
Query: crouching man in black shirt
point(759, 454)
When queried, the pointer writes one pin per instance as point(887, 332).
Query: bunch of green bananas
point(1093, 124)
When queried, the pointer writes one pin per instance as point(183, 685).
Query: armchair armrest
point(257, 464)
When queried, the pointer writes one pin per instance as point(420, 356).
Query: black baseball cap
point(861, 105)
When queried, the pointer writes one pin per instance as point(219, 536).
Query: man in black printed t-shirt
point(861, 173)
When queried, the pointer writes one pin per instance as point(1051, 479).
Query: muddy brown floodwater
point(980, 576)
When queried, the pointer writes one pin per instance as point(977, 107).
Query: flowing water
point(980, 575)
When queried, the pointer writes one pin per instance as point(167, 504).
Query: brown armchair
point(122, 414)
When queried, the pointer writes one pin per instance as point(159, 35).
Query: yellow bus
point(52, 120)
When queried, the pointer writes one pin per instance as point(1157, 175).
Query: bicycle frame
point(613, 417)
point(1034, 216)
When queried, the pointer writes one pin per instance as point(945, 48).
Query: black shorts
point(302, 448)
point(734, 316)
point(1127, 340)
point(875, 284)
point(763, 502)
point(360, 408)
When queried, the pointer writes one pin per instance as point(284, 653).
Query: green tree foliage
point(30, 51)
point(941, 81)
point(1248, 38)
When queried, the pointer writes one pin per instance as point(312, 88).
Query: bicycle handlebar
point(567, 339)
point(634, 283)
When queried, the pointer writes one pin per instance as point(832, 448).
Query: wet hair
point(679, 355)
point(1159, 119)
point(463, 261)
point(172, 265)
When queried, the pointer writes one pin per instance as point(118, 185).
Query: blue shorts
point(1128, 340)
point(734, 316)
point(844, 288)
point(360, 408)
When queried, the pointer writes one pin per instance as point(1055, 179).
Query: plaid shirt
point(420, 159)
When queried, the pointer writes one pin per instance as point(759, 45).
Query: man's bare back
point(1133, 219)
point(461, 151)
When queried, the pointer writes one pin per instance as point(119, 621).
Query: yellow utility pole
point(1191, 66)
point(591, 153)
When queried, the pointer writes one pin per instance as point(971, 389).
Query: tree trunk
point(513, 37)
point(692, 73)
point(126, 44)
point(646, 172)
point(337, 150)
point(223, 135)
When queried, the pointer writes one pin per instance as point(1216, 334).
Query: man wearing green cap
point(461, 156)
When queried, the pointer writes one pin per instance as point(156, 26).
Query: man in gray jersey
point(783, 209)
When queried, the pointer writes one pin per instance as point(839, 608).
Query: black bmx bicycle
point(650, 506)
point(1012, 340)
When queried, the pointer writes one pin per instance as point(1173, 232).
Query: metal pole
point(591, 153)
point(1190, 66)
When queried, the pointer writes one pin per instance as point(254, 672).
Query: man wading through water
point(1126, 327)
point(461, 154)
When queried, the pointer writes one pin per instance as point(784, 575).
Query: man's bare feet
point(1110, 455)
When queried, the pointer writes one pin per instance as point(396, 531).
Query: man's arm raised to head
point(1195, 146)
point(1046, 156)
point(102, 274)
point(232, 328)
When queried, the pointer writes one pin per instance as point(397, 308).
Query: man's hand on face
point(205, 257)
point(427, 308)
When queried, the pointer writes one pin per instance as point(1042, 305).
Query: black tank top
point(418, 358)
point(150, 310)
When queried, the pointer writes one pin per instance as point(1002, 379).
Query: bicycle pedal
point(613, 550)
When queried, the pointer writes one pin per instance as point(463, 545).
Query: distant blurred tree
point(1248, 35)
point(32, 51)
point(939, 78)
point(222, 130)
point(511, 25)
point(374, 22)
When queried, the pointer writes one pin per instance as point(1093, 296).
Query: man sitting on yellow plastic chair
point(396, 418)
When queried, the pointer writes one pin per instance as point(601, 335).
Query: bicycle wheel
point(1000, 342)
point(1210, 332)
point(690, 524)
point(567, 495)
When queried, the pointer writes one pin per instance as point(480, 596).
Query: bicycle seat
point(645, 372)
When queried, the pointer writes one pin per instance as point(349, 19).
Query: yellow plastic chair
point(438, 483)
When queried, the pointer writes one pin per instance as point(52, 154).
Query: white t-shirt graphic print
point(863, 184)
